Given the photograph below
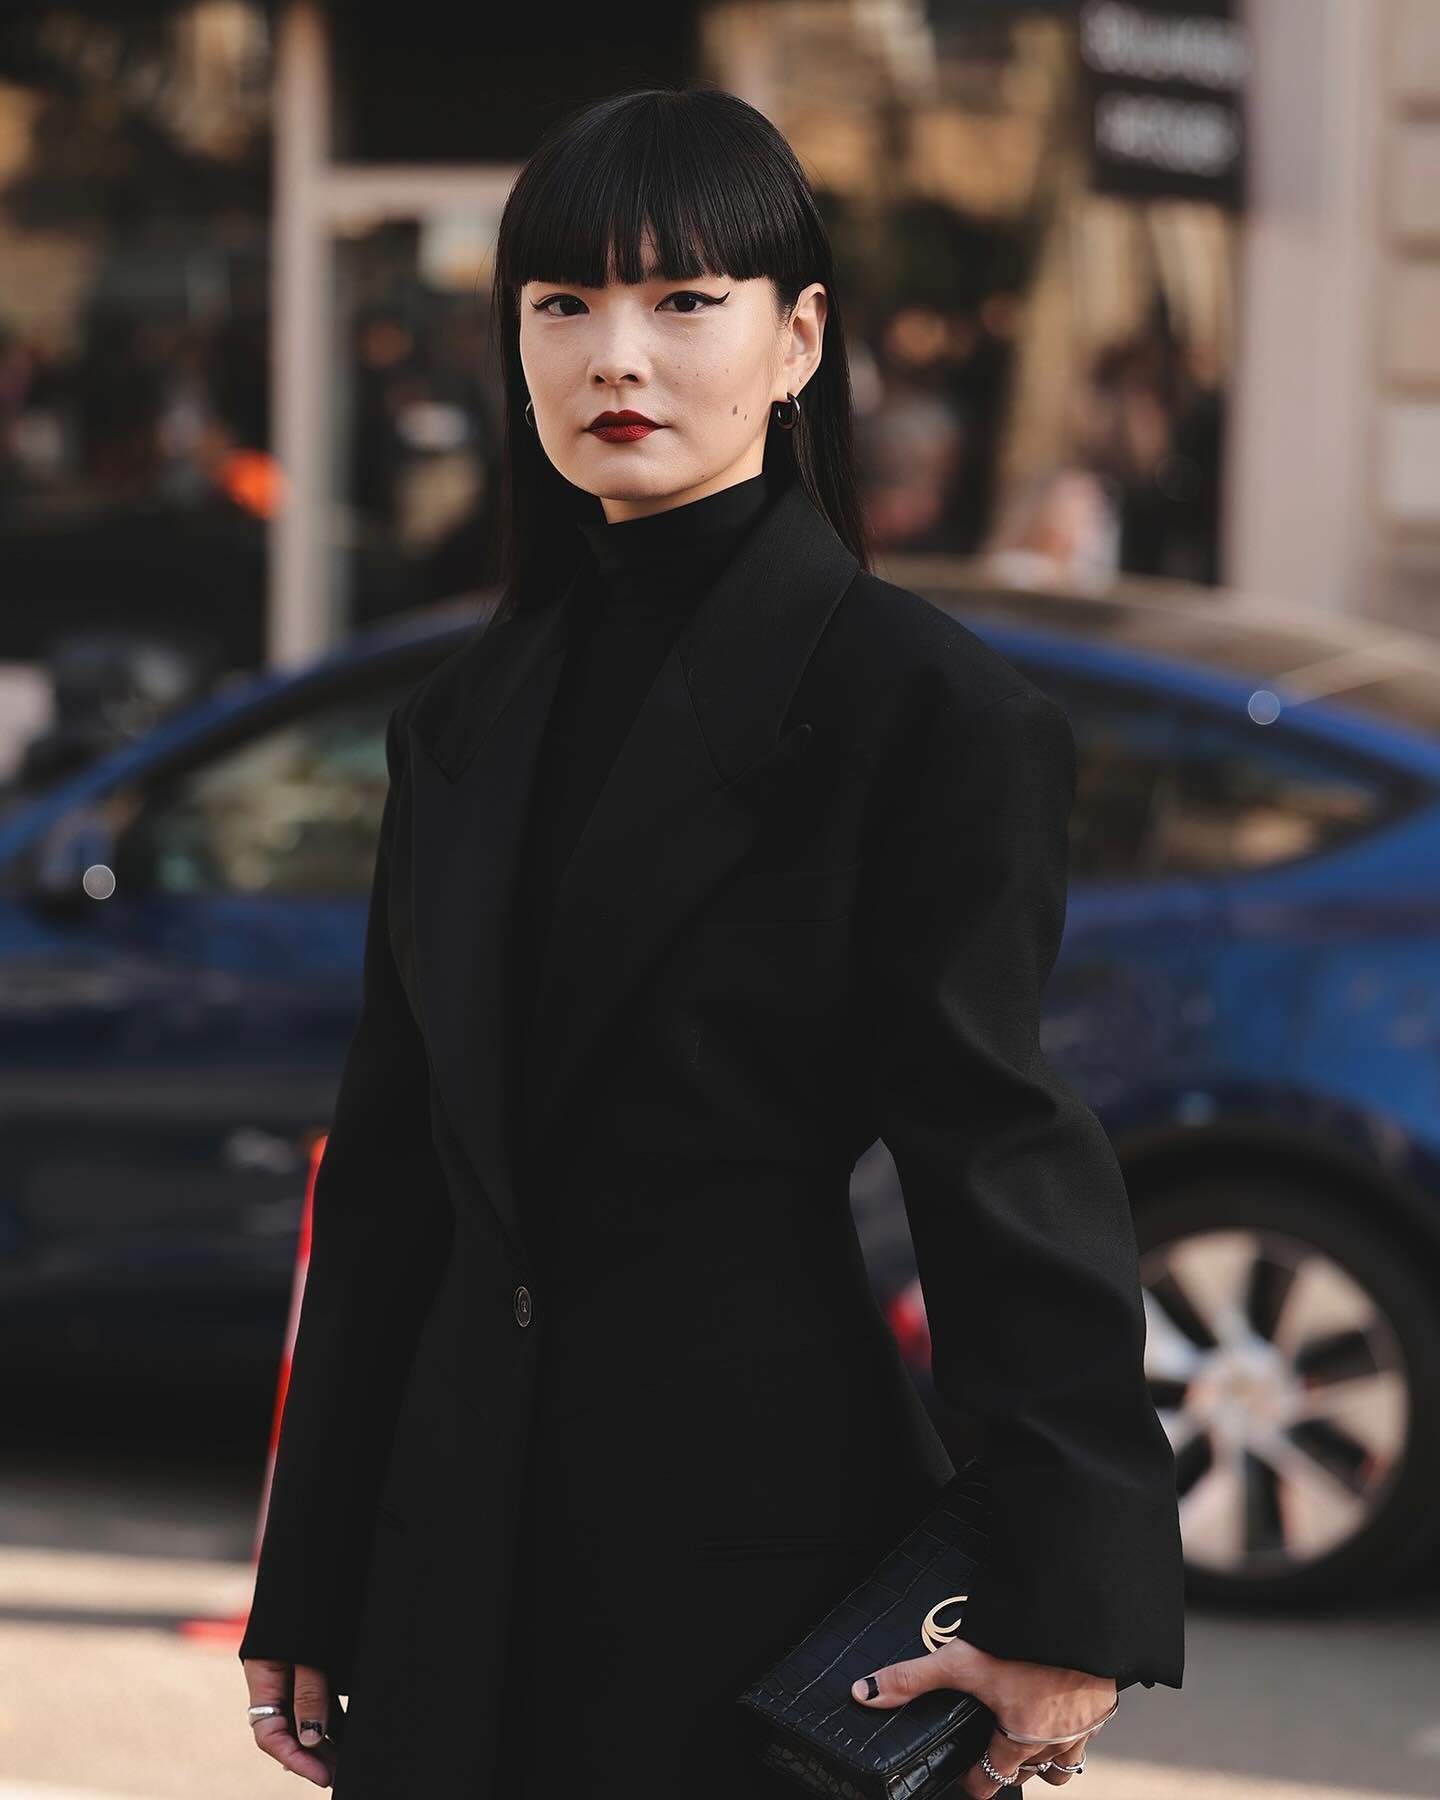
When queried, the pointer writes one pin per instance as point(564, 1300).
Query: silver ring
point(993, 1772)
point(255, 1713)
point(1071, 1768)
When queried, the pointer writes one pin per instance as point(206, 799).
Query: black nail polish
point(872, 1688)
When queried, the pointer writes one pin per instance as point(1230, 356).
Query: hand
point(306, 1693)
point(1035, 1699)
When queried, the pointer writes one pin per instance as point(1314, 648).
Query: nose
point(618, 358)
point(614, 374)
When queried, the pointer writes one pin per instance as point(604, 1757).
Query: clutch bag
point(810, 1726)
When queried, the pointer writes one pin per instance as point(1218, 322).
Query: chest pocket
point(773, 896)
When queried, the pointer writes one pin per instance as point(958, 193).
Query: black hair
point(720, 191)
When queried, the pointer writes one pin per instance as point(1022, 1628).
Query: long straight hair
point(720, 191)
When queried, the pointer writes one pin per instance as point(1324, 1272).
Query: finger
point(312, 1705)
point(276, 1739)
point(268, 1682)
point(898, 1682)
point(1072, 1751)
point(272, 1683)
point(1005, 1758)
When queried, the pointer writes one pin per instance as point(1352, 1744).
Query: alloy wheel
point(1284, 1392)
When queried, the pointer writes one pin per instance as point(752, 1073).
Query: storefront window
point(135, 477)
point(419, 405)
point(1039, 368)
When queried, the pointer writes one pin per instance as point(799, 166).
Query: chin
point(654, 489)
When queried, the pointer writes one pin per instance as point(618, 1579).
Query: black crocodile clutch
point(808, 1723)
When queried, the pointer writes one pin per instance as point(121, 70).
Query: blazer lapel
point(680, 805)
point(678, 810)
point(471, 774)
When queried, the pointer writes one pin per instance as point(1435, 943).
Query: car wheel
point(1293, 1354)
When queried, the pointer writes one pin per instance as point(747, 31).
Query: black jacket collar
point(742, 650)
point(677, 812)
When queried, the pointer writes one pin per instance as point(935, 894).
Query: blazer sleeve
point(1018, 1209)
point(380, 1234)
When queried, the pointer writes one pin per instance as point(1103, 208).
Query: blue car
point(1248, 995)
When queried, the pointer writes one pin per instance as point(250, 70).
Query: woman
point(712, 859)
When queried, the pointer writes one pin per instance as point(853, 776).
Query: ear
point(806, 336)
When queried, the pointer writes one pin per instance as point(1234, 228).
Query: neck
point(696, 526)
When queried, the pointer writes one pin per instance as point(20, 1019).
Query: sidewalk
point(102, 1699)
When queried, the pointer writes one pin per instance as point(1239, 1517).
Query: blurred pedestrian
point(1059, 529)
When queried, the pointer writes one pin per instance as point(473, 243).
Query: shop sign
point(1165, 90)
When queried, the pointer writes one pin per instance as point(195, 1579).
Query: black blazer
point(619, 1292)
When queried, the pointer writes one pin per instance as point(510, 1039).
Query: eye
point(543, 306)
point(704, 299)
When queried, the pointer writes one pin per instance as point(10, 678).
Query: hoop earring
point(529, 414)
point(788, 424)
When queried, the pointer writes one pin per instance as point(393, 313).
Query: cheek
point(551, 358)
point(539, 364)
point(728, 383)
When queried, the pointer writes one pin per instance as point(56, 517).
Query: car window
point(1123, 745)
point(1242, 796)
point(292, 810)
point(1122, 752)
point(1165, 789)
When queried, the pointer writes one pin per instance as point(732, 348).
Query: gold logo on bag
point(934, 1636)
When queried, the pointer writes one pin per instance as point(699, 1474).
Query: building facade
point(1140, 285)
point(1334, 474)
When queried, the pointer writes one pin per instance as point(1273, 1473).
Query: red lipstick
point(621, 427)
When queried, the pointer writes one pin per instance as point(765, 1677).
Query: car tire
point(1307, 1429)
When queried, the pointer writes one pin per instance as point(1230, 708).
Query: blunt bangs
point(712, 188)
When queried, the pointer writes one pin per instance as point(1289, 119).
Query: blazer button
point(522, 1306)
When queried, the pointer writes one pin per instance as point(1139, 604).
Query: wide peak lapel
point(471, 773)
point(679, 807)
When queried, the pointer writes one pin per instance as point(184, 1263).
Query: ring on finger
point(1075, 1768)
point(256, 1713)
point(994, 1773)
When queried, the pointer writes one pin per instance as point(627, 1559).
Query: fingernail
point(311, 1730)
point(866, 1689)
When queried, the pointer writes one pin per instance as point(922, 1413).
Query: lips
point(622, 427)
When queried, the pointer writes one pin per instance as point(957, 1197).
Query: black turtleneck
point(643, 579)
point(666, 560)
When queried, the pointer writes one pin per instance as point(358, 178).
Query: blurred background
point(1143, 301)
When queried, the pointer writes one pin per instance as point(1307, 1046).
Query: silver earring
point(788, 424)
point(530, 414)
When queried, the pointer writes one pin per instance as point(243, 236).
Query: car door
point(1128, 1008)
point(168, 1052)
point(1127, 1011)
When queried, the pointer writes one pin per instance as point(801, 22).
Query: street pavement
point(113, 1687)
